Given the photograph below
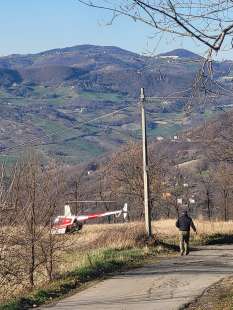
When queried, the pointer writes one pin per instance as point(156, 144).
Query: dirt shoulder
point(218, 296)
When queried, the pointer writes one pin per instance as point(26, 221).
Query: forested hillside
point(55, 98)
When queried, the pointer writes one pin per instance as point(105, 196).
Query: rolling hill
point(47, 98)
point(182, 53)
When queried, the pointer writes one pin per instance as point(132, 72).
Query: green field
point(102, 96)
point(62, 126)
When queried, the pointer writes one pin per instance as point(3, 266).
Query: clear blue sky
point(29, 26)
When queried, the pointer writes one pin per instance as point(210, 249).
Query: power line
point(112, 128)
point(172, 96)
point(129, 99)
point(87, 123)
point(90, 201)
point(102, 116)
point(58, 142)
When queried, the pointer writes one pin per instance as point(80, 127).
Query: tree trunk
point(208, 204)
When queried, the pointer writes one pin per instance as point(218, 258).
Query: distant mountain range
point(182, 53)
point(46, 96)
point(102, 68)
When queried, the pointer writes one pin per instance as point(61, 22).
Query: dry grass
point(118, 236)
point(128, 235)
point(215, 227)
point(94, 239)
point(131, 234)
point(122, 242)
point(219, 296)
point(167, 228)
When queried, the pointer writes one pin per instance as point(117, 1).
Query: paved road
point(164, 286)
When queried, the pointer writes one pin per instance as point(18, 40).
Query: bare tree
point(224, 179)
point(76, 190)
point(126, 178)
point(10, 271)
point(217, 139)
point(35, 193)
point(207, 183)
point(208, 22)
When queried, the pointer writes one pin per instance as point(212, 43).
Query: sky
point(30, 26)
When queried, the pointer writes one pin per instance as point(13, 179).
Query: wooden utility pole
point(76, 197)
point(145, 167)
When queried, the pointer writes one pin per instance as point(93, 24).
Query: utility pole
point(76, 197)
point(145, 167)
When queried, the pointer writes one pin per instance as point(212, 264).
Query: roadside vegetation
point(37, 267)
point(85, 256)
point(218, 297)
point(100, 250)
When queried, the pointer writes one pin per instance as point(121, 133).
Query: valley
point(55, 100)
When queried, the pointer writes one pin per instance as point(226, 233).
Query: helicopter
point(69, 223)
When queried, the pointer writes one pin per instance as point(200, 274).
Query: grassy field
point(99, 250)
point(64, 102)
point(101, 96)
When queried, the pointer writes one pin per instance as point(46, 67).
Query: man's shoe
point(182, 253)
point(186, 253)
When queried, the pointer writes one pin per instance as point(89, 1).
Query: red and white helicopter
point(69, 223)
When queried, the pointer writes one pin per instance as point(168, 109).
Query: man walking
point(183, 223)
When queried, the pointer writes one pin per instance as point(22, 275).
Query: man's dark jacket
point(184, 223)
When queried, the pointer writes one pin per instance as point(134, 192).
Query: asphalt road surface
point(166, 285)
